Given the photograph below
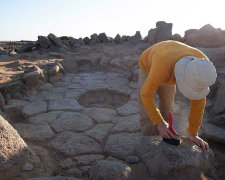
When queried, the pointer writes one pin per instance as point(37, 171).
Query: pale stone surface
point(72, 121)
point(101, 115)
point(122, 145)
point(130, 108)
point(33, 108)
point(44, 117)
point(13, 109)
point(51, 95)
point(75, 93)
point(127, 124)
point(13, 151)
point(110, 170)
point(67, 163)
point(27, 167)
point(162, 159)
point(36, 132)
point(117, 82)
point(44, 87)
point(65, 104)
point(73, 144)
point(89, 159)
point(99, 132)
point(133, 85)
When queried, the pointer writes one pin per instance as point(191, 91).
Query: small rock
point(117, 39)
point(54, 70)
point(132, 160)
point(103, 38)
point(31, 79)
point(86, 40)
point(27, 167)
point(13, 87)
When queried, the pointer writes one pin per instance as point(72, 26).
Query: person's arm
point(196, 114)
point(158, 75)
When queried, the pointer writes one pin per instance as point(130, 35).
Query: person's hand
point(200, 142)
point(164, 130)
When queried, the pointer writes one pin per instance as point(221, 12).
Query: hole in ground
point(103, 98)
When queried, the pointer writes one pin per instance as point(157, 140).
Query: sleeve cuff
point(193, 131)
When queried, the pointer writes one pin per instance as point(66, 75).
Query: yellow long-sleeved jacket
point(158, 61)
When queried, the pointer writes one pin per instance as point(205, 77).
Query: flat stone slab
point(44, 117)
point(110, 170)
point(127, 124)
point(122, 145)
point(65, 104)
point(129, 108)
point(36, 132)
point(101, 115)
point(72, 121)
point(162, 159)
point(99, 132)
point(34, 108)
point(51, 95)
point(82, 160)
point(75, 93)
point(73, 144)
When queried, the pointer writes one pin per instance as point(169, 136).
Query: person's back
point(167, 53)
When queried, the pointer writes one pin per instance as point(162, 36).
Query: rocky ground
point(76, 114)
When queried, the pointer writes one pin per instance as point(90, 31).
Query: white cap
point(194, 76)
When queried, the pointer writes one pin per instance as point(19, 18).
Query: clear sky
point(26, 19)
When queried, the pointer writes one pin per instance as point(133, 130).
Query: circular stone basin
point(103, 98)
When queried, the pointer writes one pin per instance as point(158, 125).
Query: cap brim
point(190, 93)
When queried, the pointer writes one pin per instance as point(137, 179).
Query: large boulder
point(207, 36)
point(214, 133)
point(137, 37)
point(152, 36)
point(164, 31)
point(216, 55)
point(103, 38)
point(184, 162)
point(14, 152)
point(44, 42)
point(117, 39)
point(219, 105)
point(25, 48)
point(56, 41)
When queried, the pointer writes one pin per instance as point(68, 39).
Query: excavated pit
point(103, 98)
